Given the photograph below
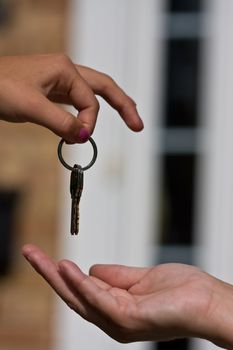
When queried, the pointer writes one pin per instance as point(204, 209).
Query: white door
point(121, 38)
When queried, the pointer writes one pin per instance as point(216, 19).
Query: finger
point(96, 296)
point(66, 80)
point(87, 115)
point(101, 284)
point(61, 122)
point(118, 275)
point(38, 109)
point(59, 97)
point(85, 102)
point(49, 271)
point(107, 88)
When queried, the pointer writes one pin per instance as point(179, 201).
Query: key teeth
point(74, 232)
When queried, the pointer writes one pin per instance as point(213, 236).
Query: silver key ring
point(95, 152)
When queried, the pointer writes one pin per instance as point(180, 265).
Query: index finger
point(97, 296)
point(48, 269)
point(104, 86)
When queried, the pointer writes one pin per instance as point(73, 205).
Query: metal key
point(76, 187)
point(76, 183)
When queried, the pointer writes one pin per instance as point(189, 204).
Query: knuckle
point(96, 105)
point(62, 59)
point(107, 82)
point(68, 125)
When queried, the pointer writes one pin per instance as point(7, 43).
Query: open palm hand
point(131, 304)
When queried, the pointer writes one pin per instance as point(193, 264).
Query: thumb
point(118, 275)
point(44, 112)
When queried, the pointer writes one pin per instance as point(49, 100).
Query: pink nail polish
point(83, 135)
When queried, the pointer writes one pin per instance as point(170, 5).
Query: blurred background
point(163, 195)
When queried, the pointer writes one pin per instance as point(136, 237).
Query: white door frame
point(121, 38)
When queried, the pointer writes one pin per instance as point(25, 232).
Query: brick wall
point(29, 165)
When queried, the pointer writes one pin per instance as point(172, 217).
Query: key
point(76, 183)
point(76, 187)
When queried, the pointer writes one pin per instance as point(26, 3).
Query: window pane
point(181, 344)
point(181, 83)
point(184, 5)
point(8, 202)
point(177, 199)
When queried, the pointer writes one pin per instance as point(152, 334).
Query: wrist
point(219, 318)
point(207, 310)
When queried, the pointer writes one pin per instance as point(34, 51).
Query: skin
point(137, 304)
point(128, 303)
point(31, 86)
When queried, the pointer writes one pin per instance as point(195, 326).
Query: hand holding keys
point(76, 184)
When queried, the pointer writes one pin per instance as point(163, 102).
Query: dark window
point(8, 201)
point(179, 344)
point(181, 83)
point(6, 12)
point(177, 200)
point(184, 5)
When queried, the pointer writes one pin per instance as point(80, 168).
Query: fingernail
point(83, 135)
